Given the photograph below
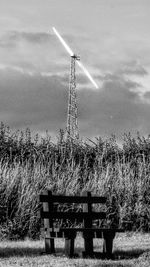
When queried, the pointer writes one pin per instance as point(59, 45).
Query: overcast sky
point(112, 38)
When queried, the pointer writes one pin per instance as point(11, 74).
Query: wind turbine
point(72, 122)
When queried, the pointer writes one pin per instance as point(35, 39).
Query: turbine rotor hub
point(76, 57)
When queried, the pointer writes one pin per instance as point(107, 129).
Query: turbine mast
point(72, 121)
point(72, 132)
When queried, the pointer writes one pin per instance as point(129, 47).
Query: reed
point(29, 164)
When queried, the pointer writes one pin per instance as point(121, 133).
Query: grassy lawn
point(129, 250)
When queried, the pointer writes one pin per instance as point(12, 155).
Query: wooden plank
point(69, 247)
point(49, 242)
point(72, 199)
point(88, 236)
point(82, 229)
point(53, 234)
point(87, 216)
point(69, 244)
point(73, 215)
point(95, 233)
point(108, 244)
point(48, 245)
point(50, 205)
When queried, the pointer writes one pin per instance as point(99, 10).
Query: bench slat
point(81, 229)
point(86, 216)
point(72, 199)
point(96, 232)
point(73, 215)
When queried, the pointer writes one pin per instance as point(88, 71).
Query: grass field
point(129, 250)
point(30, 164)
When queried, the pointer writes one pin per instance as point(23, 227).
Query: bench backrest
point(86, 214)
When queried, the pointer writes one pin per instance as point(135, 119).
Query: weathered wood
point(73, 215)
point(49, 242)
point(88, 237)
point(87, 216)
point(108, 243)
point(69, 245)
point(95, 232)
point(72, 199)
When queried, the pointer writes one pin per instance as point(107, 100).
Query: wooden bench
point(61, 222)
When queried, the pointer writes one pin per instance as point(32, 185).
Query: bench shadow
point(123, 255)
point(112, 264)
point(117, 255)
point(8, 252)
point(129, 254)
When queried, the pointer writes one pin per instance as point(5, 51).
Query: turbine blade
point(87, 74)
point(68, 49)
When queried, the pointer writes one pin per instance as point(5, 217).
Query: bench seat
point(96, 232)
point(55, 220)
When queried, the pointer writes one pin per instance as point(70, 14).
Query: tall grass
point(28, 165)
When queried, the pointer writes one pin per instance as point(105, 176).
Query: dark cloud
point(40, 102)
point(32, 101)
point(124, 68)
point(147, 95)
point(118, 79)
point(115, 109)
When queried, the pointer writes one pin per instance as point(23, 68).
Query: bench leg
point(88, 245)
point(49, 245)
point(69, 246)
point(108, 243)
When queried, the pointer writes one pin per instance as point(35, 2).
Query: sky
point(112, 38)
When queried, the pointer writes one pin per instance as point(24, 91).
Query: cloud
point(10, 39)
point(133, 75)
point(33, 52)
point(13, 68)
point(40, 102)
point(147, 95)
point(114, 109)
point(133, 68)
point(37, 52)
point(32, 101)
point(138, 74)
point(34, 92)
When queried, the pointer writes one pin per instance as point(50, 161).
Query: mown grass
point(129, 250)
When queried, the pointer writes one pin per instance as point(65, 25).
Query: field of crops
point(30, 164)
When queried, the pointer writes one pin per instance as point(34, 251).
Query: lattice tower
point(72, 115)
